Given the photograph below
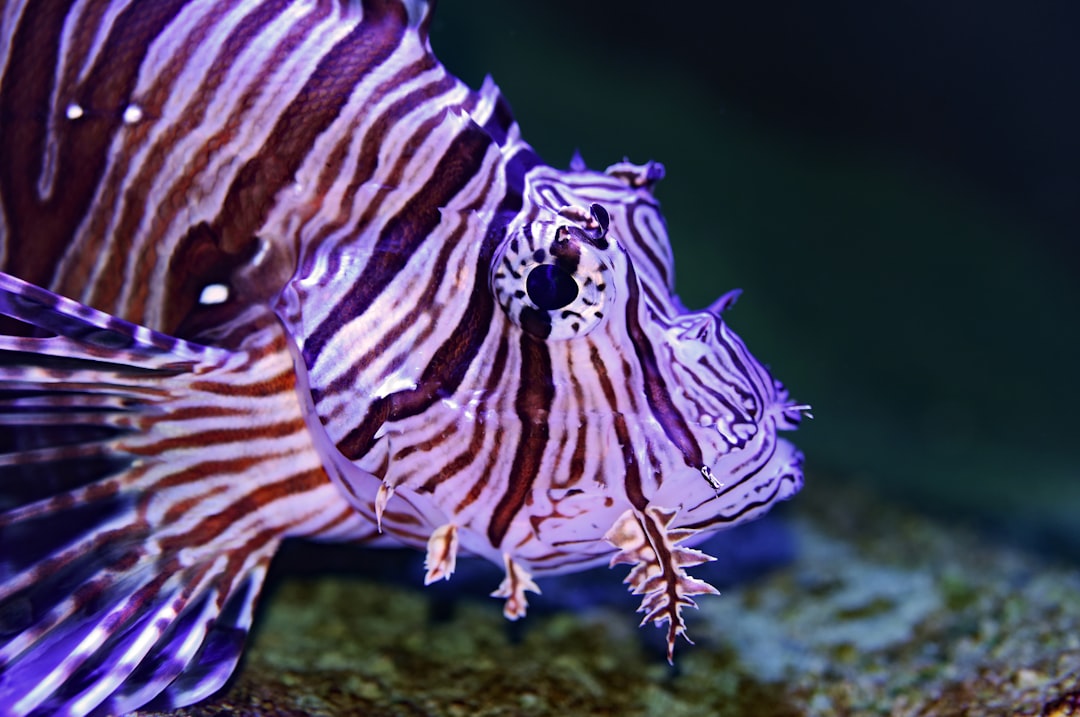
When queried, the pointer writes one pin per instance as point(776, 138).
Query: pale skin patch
point(513, 588)
point(442, 549)
point(386, 492)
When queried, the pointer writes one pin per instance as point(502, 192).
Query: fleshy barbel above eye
point(554, 279)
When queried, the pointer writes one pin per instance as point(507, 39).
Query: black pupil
point(550, 287)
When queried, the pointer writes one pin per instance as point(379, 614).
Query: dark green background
point(894, 187)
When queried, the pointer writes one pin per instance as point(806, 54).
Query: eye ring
point(553, 280)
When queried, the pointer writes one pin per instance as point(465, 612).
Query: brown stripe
point(283, 382)
point(378, 347)
point(134, 532)
point(222, 435)
point(632, 477)
point(367, 160)
point(748, 414)
point(483, 478)
point(203, 469)
point(211, 526)
point(451, 361)
point(745, 508)
point(200, 259)
point(479, 428)
point(535, 395)
point(181, 507)
point(577, 459)
point(114, 243)
point(646, 245)
point(44, 229)
point(318, 104)
point(188, 413)
point(342, 517)
point(372, 218)
point(405, 232)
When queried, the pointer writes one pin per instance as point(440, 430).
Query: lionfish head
point(518, 380)
point(644, 402)
point(650, 425)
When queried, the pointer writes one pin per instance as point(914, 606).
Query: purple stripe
point(656, 392)
point(448, 365)
point(404, 233)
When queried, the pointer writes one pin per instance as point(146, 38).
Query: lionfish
point(271, 271)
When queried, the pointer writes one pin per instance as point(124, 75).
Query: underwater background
point(895, 189)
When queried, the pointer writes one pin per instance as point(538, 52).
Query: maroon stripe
point(479, 486)
point(210, 527)
point(451, 361)
point(404, 232)
point(380, 345)
point(536, 393)
point(740, 413)
point(479, 428)
point(318, 104)
point(632, 478)
point(47, 227)
point(219, 436)
point(761, 499)
point(755, 374)
point(367, 161)
point(200, 258)
point(576, 469)
point(441, 377)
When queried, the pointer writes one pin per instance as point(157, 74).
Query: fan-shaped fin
point(145, 484)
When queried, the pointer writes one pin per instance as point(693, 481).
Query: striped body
point(422, 335)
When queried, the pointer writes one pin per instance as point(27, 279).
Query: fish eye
point(550, 287)
point(553, 280)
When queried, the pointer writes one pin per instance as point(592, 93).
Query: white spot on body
point(133, 114)
point(214, 294)
point(262, 253)
point(707, 473)
point(73, 111)
point(393, 384)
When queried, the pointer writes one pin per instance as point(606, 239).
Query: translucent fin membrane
point(145, 484)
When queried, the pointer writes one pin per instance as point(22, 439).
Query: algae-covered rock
point(881, 612)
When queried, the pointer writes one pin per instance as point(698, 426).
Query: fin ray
point(97, 333)
point(145, 484)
